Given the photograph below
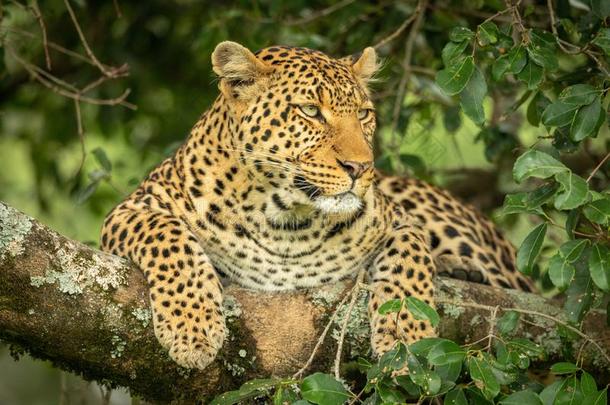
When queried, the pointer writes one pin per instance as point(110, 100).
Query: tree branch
point(88, 312)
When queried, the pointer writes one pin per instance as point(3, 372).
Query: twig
point(598, 167)
point(52, 45)
point(120, 100)
point(492, 325)
point(43, 29)
point(406, 63)
point(105, 71)
point(576, 49)
point(517, 21)
point(81, 134)
point(396, 32)
point(354, 296)
point(117, 9)
point(312, 17)
point(302, 370)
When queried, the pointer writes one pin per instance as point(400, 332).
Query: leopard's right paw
point(191, 345)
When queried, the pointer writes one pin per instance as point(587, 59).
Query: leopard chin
point(345, 203)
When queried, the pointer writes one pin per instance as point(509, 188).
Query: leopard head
point(302, 122)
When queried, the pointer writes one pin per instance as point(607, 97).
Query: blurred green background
point(167, 46)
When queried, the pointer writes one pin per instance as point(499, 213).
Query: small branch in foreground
point(330, 322)
point(599, 166)
point(354, 297)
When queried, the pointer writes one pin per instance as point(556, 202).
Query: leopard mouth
point(344, 203)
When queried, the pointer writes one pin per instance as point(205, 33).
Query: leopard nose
point(355, 169)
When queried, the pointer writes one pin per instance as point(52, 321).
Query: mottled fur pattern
point(275, 190)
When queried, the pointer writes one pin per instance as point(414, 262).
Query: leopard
point(275, 189)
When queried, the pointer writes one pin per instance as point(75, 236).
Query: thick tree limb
point(88, 312)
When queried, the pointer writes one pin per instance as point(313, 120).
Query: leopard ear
point(236, 65)
point(365, 65)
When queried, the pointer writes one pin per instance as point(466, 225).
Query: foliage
point(435, 368)
point(530, 79)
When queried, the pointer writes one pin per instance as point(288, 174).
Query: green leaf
point(538, 164)
point(422, 311)
point(452, 52)
point(526, 347)
point(586, 122)
point(559, 114)
point(446, 352)
point(580, 293)
point(323, 389)
point(405, 382)
point(500, 67)
point(508, 322)
point(587, 384)
point(564, 368)
point(459, 34)
point(455, 397)
point(572, 250)
point(487, 33)
point(541, 195)
point(390, 395)
point(434, 383)
point(471, 98)
point(517, 58)
point(449, 372)
point(549, 393)
point(423, 346)
point(390, 306)
point(394, 359)
point(250, 389)
point(85, 193)
point(454, 78)
point(536, 107)
point(599, 266)
point(526, 397)
point(602, 40)
point(574, 191)
point(561, 265)
point(579, 94)
point(597, 398)
point(572, 220)
point(102, 159)
point(417, 373)
point(517, 203)
point(569, 393)
point(598, 211)
point(530, 249)
point(561, 272)
point(414, 162)
point(483, 377)
point(541, 49)
point(531, 75)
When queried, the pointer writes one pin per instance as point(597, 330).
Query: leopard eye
point(310, 110)
point(363, 113)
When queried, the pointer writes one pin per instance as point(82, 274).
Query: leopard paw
point(191, 344)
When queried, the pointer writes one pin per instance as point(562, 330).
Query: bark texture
point(88, 312)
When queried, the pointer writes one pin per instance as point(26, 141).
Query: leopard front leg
point(184, 289)
point(403, 268)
